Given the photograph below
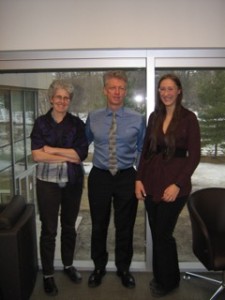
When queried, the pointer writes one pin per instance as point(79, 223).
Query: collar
point(51, 119)
point(119, 112)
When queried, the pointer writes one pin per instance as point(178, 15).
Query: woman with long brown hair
point(171, 153)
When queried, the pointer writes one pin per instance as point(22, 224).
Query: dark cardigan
point(157, 173)
point(70, 133)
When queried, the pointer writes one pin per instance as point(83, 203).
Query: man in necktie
point(117, 133)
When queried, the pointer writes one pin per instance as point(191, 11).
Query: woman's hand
point(171, 192)
point(50, 150)
point(140, 190)
point(69, 154)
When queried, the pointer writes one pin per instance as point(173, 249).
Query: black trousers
point(103, 191)
point(162, 218)
point(50, 198)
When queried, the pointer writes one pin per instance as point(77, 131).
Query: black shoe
point(154, 284)
point(127, 279)
point(161, 292)
point(50, 286)
point(73, 274)
point(95, 279)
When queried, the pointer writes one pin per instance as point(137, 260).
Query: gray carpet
point(112, 289)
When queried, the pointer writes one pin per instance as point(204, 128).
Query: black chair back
point(207, 214)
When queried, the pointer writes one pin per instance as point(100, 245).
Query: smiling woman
point(59, 145)
point(60, 104)
point(170, 154)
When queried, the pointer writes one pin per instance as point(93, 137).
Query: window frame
point(150, 59)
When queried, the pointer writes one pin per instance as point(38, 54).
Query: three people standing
point(170, 154)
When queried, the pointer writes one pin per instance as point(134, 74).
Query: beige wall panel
point(109, 24)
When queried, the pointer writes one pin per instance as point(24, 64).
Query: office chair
point(18, 250)
point(207, 214)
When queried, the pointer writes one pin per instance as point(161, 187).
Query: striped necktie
point(112, 146)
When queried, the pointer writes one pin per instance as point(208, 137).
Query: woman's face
point(60, 101)
point(168, 91)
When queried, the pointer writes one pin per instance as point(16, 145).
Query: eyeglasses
point(60, 98)
point(169, 89)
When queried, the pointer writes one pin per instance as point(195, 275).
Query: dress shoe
point(95, 279)
point(50, 286)
point(159, 291)
point(153, 283)
point(127, 279)
point(73, 274)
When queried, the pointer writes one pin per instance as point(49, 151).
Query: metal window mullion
point(12, 144)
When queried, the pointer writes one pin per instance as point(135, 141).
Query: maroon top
point(157, 173)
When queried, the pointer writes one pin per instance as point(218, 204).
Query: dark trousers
point(162, 220)
point(50, 198)
point(103, 190)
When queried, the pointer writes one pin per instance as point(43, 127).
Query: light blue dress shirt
point(129, 138)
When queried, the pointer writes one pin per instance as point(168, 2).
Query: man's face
point(115, 91)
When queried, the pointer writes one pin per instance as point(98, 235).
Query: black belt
point(118, 172)
point(178, 152)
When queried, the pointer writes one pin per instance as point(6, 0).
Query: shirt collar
point(119, 112)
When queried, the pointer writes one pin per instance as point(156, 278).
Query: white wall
point(105, 24)
point(30, 80)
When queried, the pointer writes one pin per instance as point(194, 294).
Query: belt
point(118, 172)
point(178, 152)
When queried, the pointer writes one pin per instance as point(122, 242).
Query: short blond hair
point(119, 74)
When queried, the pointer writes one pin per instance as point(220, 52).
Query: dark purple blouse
point(157, 173)
point(70, 133)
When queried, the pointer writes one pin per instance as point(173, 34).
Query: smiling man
point(118, 149)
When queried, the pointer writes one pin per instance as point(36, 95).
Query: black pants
point(162, 220)
point(50, 197)
point(103, 190)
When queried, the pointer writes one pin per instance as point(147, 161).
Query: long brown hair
point(160, 114)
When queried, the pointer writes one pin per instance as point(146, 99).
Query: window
point(17, 111)
point(202, 75)
point(88, 96)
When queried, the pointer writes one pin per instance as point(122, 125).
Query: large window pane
point(29, 111)
point(18, 130)
point(6, 185)
point(16, 118)
point(88, 96)
point(203, 93)
point(5, 157)
point(5, 148)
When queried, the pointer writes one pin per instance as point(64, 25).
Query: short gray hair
point(61, 84)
